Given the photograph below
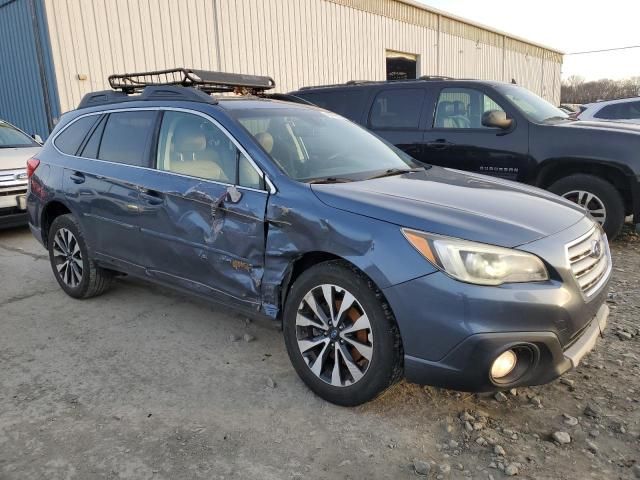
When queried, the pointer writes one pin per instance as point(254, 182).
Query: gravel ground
point(144, 383)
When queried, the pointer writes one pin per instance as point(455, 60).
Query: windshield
point(310, 144)
point(531, 105)
point(11, 137)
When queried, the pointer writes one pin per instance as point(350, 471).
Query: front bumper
point(467, 366)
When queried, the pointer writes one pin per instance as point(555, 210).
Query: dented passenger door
point(203, 211)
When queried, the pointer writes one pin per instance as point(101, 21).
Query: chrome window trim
point(271, 187)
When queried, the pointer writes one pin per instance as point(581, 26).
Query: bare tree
point(576, 90)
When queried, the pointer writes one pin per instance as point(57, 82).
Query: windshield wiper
point(330, 180)
point(395, 171)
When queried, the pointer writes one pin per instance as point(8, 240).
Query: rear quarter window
point(126, 137)
point(70, 139)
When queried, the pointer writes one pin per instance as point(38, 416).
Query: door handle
point(151, 196)
point(77, 177)
point(439, 144)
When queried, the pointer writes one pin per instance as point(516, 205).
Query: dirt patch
point(143, 383)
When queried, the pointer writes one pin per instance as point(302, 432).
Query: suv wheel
point(601, 199)
point(341, 335)
point(75, 271)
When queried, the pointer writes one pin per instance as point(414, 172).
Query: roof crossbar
point(207, 81)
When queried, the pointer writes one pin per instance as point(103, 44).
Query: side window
point(462, 108)
point(90, 149)
point(397, 109)
point(191, 145)
point(126, 137)
point(248, 176)
point(71, 138)
point(608, 112)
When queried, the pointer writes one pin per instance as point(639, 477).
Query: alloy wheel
point(334, 335)
point(590, 202)
point(67, 257)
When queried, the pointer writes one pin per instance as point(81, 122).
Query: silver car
point(16, 147)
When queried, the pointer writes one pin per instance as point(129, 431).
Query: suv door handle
point(439, 144)
point(151, 196)
point(77, 177)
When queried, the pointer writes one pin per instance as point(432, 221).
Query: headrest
point(265, 139)
point(459, 108)
point(189, 138)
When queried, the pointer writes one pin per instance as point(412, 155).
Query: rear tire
point(363, 335)
point(76, 272)
point(596, 195)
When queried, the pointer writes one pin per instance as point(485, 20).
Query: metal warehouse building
point(52, 52)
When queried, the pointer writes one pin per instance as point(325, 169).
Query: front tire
point(340, 334)
point(599, 197)
point(76, 272)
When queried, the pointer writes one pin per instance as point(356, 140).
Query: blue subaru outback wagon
point(378, 267)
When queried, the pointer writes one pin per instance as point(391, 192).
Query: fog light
point(504, 364)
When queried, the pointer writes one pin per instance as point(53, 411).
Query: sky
point(567, 25)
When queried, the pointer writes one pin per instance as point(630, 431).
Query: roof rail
point(207, 81)
point(367, 82)
point(435, 77)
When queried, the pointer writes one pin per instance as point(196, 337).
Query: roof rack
point(368, 82)
point(207, 81)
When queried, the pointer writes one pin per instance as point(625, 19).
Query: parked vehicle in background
point(16, 147)
point(625, 109)
point(376, 265)
point(502, 130)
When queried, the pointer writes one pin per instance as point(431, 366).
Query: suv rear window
point(397, 109)
point(71, 137)
point(343, 102)
point(126, 136)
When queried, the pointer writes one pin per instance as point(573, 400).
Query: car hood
point(457, 204)
point(617, 126)
point(16, 158)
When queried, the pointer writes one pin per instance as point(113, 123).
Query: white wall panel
point(297, 42)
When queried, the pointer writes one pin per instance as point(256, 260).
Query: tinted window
point(462, 108)
point(125, 137)
point(347, 103)
point(12, 137)
point(90, 149)
point(397, 109)
point(71, 137)
point(192, 145)
point(622, 111)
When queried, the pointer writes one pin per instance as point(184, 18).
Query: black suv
point(503, 130)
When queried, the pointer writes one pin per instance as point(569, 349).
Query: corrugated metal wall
point(27, 97)
point(298, 42)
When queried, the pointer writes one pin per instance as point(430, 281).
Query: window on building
point(397, 109)
point(71, 138)
point(192, 145)
point(126, 137)
point(401, 66)
point(462, 108)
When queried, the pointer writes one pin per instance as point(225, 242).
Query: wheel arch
point(553, 170)
point(50, 212)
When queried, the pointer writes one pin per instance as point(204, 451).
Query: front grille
point(11, 179)
point(590, 261)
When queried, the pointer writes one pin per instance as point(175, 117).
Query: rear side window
point(90, 149)
point(621, 111)
point(397, 109)
point(71, 138)
point(126, 137)
point(349, 103)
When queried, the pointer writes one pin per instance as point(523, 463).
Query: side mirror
point(37, 138)
point(496, 119)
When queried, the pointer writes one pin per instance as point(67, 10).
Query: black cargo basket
point(207, 81)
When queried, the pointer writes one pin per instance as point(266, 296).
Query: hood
point(457, 204)
point(616, 126)
point(16, 158)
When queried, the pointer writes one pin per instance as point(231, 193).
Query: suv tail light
point(32, 164)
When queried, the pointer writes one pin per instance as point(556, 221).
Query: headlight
point(477, 262)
